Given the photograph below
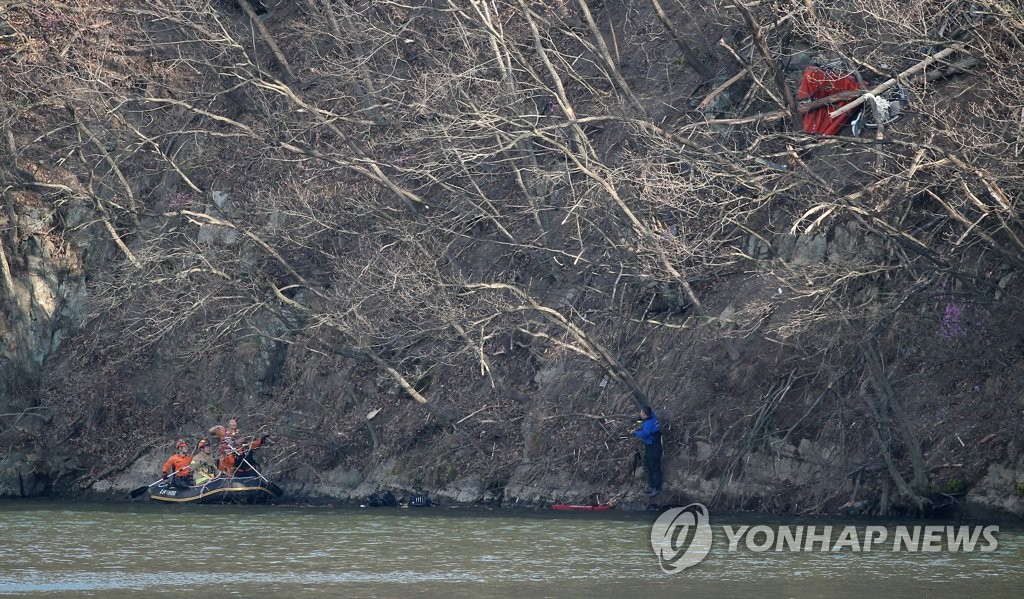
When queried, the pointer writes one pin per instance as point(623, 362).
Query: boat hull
point(217, 490)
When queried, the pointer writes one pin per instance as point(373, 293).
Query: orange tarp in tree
point(819, 83)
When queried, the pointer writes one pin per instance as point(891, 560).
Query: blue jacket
point(649, 431)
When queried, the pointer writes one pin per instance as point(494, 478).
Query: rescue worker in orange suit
point(177, 466)
point(226, 447)
point(247, 465)
point(232, 446)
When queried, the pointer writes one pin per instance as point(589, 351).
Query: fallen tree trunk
point(917, 68)
point(802, 108)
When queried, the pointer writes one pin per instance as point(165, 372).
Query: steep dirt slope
point(499, 229)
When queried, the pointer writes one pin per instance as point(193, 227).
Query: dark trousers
point(182, 482)
point(652, 463)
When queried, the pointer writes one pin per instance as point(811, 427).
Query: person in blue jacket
point(650, 433)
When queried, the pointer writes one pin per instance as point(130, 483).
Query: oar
point(136, 492)
point(276, 490)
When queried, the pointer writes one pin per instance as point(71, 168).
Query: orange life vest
point(178, 463)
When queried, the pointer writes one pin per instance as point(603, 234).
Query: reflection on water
point(69, 549)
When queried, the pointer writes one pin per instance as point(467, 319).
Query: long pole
point(276, 490)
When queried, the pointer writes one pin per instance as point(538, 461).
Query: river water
point(69, 549)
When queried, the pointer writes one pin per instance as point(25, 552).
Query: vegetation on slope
point(507, 224)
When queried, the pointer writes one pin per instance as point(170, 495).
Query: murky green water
point(63, 549)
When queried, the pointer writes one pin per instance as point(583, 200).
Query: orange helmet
point(202, 443)
point(181, 443)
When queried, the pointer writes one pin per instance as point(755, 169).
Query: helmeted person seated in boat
point(202, 464)
point(177, 466)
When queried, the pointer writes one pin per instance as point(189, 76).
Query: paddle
point(136, 492)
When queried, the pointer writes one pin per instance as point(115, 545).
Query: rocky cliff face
point(43, 303)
